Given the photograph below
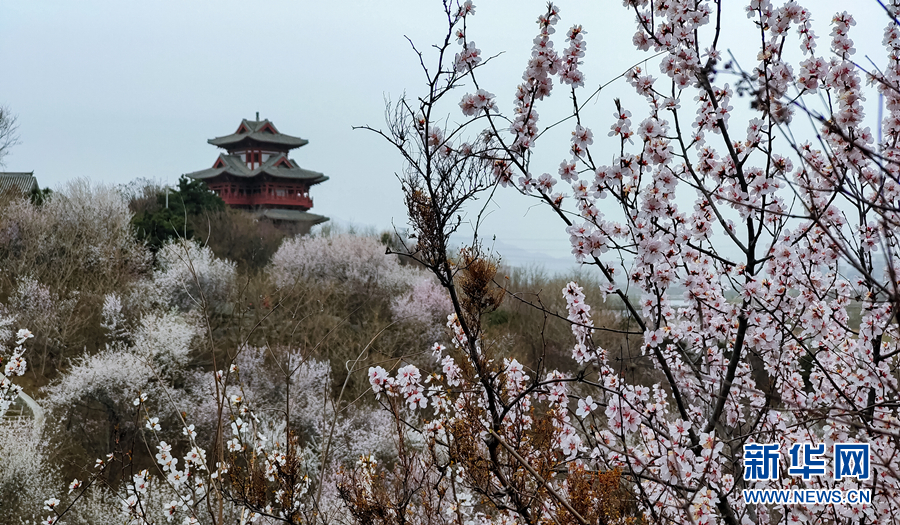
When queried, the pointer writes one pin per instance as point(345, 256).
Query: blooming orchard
point(753, 256)
point(744, 301)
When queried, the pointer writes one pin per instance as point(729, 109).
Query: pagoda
point(255, 174)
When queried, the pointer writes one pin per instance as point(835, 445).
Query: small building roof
point(261, 131)
point(22, 182)
point(291, 215)
point(276, 166)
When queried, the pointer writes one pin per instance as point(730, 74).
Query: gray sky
point(115, 90)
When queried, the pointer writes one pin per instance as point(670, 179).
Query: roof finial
point(257, 116)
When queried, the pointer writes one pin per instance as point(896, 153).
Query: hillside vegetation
point(128, 299)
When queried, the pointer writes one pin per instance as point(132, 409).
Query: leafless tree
point(9, 132)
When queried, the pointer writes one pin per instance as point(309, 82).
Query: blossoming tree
point(744, 300)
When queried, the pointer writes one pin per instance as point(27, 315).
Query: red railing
point(266, 200)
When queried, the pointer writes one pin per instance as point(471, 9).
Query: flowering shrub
point(344, 258)
point(107, 382)
point(81, 239)
point(161, 344)
point(355, 271)
point(153, 354)
point(26, 466)
point(50, 315)
point(425, 305)
point(741, 302)
point(57, 261)
point(147, 331)
point(260, 382)
point(13, 365)
point(263, 471)
point(114, 320)
point(191, 275)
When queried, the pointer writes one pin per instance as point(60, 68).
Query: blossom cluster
point(743, 301)
point(14, 366)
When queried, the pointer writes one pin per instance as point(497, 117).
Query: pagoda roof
point(291, 215)
point(22, 182)
point(275, 166)
point(262, 131)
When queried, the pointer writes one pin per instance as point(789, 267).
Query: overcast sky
point(116, 90)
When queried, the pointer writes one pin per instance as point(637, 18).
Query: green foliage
point(173, 214)
point(159, 226)
point(194, 212)
point(40, 196)
point(194, 198)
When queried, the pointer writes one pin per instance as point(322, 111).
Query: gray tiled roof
point(279, 139)
point(233, 165)
point(291, 215)
point(22, 182)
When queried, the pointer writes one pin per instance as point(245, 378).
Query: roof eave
point(206, 174)
point(229, 140)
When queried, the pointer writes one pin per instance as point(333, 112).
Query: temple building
point(18, 183)
point(255, 174)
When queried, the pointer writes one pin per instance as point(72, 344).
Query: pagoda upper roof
point(275, 166)
point(261, 131)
